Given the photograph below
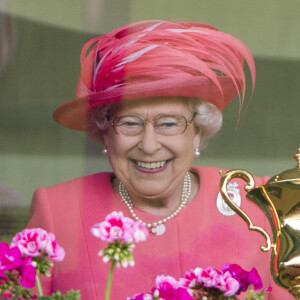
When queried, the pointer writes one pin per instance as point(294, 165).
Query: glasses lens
point(129, 125)
point(170, 125)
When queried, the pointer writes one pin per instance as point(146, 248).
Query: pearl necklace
point(158, 228)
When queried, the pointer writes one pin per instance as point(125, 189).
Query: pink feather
point(155, 50)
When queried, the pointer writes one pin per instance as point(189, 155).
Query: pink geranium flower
point(168, 288)
point(191, 278)
point(114, 227)
point(24, 259)
point(54, 250)
point(140, 232)
point(28, 273)
point(118, 227)
point(203, 284)
point(243, 277)
point(38, 242)
point(120, 232)
point(228, 285)
point(141, 297)
point(210, 277)
point(31, 241)
point(163, 281)
point(28, 277)
point(7, 295)
point(255, 279)
point(3, 277)
point(169, 293)
point(10, 258)
point(239, 274)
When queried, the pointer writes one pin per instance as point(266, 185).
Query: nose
point(150, 140)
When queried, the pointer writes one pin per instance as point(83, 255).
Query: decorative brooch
point(234, 193)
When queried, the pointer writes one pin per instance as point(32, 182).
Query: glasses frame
point(187, 123)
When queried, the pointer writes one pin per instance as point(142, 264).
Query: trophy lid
point(291, 175)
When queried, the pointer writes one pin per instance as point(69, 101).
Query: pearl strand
point(186, 193)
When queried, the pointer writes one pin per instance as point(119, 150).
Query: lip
point(149, 171)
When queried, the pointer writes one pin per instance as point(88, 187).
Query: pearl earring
point(197, 153)
point(104, 150)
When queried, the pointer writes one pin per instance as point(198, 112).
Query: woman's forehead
point(161, 105)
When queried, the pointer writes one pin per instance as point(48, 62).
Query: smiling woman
point(152, 92)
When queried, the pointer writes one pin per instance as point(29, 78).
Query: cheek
point(186, 147)
point(118, 161)
point(188, 154)
point(116, 144)
point(118, 149)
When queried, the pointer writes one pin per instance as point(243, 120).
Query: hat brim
point(73, 114)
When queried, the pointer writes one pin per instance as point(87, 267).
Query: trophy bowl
point(279, 199)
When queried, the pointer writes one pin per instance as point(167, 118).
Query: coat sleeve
point(41, 217)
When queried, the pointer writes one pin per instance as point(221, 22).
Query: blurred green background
point(40, 43)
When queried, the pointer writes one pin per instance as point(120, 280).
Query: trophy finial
point(296, 156)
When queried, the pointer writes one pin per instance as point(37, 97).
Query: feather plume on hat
point(158, 59)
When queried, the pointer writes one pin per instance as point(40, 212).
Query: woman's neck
point(162, 206)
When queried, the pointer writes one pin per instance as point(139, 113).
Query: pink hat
point(158, 59)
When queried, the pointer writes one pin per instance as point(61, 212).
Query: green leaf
point(71, 295)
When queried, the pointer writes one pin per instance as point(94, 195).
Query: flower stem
point(109, 279)
point(38, 285)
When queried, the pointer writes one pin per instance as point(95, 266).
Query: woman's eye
point(130, 123)
point(168, 124)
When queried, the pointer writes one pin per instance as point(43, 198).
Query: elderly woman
point(152, 92)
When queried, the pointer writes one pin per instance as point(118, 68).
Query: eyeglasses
point(168, 125)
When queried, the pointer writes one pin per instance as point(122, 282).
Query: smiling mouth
point(152, 165)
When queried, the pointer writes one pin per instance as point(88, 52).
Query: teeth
point(154, 165)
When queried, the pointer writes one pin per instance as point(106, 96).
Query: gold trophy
point(279, 199)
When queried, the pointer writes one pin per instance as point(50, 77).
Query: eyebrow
point(159, 115)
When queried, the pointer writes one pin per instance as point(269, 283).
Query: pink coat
point(199, 236)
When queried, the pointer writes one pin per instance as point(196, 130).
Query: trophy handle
point(226, 177)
